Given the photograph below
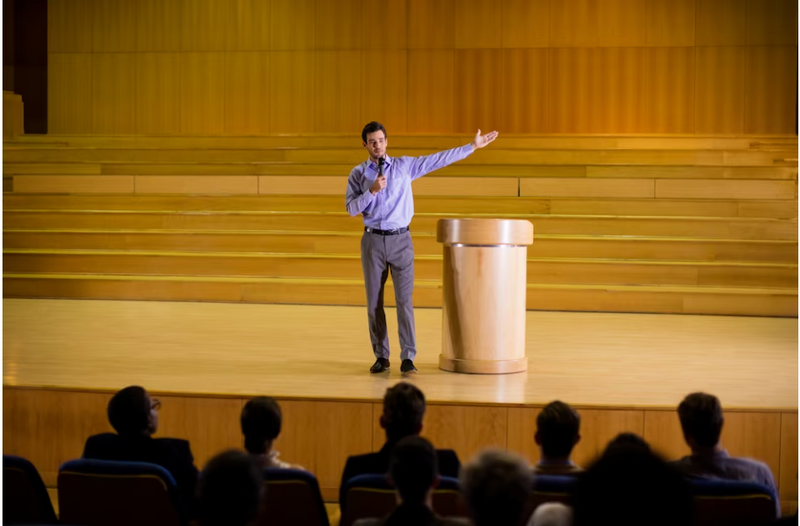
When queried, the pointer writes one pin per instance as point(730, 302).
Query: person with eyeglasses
point(133, 414)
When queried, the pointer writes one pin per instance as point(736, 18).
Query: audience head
point(557, 430)
point(229, 490)
point(413, 469)
point(626, 442)
point(701, 419)
point(131, 411)
point(403, 411)
point(261, 424)
point(496, 486)
point(629, 485)
point(551, 514)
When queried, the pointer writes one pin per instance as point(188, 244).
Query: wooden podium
point(483, 305)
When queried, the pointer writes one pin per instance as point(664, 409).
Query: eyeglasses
point(155, 404)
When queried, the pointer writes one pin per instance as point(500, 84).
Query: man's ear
point(383, 422)
point(577, 439)
point(537, 439)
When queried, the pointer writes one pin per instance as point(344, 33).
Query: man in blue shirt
point(380, 190)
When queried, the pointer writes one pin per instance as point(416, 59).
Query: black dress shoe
point(380, 365)
point(407, 367)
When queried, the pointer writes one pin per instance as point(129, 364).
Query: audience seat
point(549, 488)
point(292, 497)
point(102, 492)
point(373, 496)
point(25, 498)
point(732, 503)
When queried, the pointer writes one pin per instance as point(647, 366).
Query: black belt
point(386, 232)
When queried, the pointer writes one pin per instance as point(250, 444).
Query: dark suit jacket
point(173, 454)
point(378, 464)
point(413, 515)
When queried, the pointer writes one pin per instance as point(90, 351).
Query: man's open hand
point(482, 140)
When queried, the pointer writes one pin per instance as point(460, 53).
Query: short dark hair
point(403, 410)
point(496, 486)
point(261, 421)
point(701, 418)
point(558, 425)
point(129, 411)
point(413, 467)
point(229, 490)
point(625, 442)
point(372, 127)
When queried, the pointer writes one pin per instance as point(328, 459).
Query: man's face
point(152, 424)
point(376, 144)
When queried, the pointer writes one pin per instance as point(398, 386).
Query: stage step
point(427, 293)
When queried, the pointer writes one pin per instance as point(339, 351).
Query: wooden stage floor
point(292, 351)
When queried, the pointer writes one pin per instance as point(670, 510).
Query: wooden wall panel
point(292, 82)
point(158, 25)
point(599, 426)
point(466, 429)
point(721, 22)
point(113, 93)
point(621, 23)
point(669, 90)
point(196, 184)
point(69, 26)
point(203, 93)
point(478, 186)
point(340, 26)
point(392, 21)
point(69, 93)
point(292, 24)
point(574, 101)
point(347, 428)
point(249, 25)
point(521, 429)
point(719, 101)
point(788, 467)
point(340, 79)
point(770, 89)
point(478, 84)
point(302, 185)
point(83, 184)
point(582, 187)
point(297, 441)
point(670, 22)
point(771, 22)
point(431, 24)
point(430, 90)
point(158, 93)
point(386, 99)
point(573, 23)
point(478, 24)
point(622, 88)
point(724, 189)
point(114, 26)
point(526, 23)
point(523, 91)
point(247, 93)
point(210, 424)
point(662, 430)
point(205, 25)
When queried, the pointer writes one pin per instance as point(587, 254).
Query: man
point(496, 486)
point(261, 421)
point(701, 420)
point(403, 411)
point(230, 490)
point(557, 432)
point(380, 190)
point(414, 472)
point(134, 416)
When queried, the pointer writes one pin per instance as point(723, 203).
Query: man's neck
point(702, 451)
point(555, 460)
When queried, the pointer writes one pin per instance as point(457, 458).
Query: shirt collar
point(388, 162)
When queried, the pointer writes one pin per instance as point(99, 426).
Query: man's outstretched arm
point(428, 163)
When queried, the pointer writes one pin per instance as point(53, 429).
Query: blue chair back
point(105, 493)
point(25, 498)
point(292, 497)
point(549, 488)
point(373, 496)
point(732, 503)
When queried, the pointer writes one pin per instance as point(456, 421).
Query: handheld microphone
point(380, 166)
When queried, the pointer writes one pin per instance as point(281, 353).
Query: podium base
point(483, 366)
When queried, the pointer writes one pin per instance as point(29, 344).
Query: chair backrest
point(25, 498)
point(373, 496)
point(104, 492)
point(292, 497)
point(734, 503)
point(549, 488)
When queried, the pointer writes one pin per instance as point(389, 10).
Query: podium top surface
point(484, 232)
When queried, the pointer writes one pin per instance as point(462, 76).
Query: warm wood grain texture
point(721, 22)
point(74, 184)
point(249, 25)
point(203, 93)
point(477, 25)
point(293, 24)
point(69, 26)
point(385, 28)
point(770, 101)
point(293, 184)
point(466, 429)
point(788, 460)
point(621, 23)
point(671, 22)
point(113, 93)
point(69, 93)
point(431, 25)
point(478, 82)
point(573, 23)
point(345, 429)
point(201, 184)
point(771, 22)
point(669, 90)
point(158, 93)
point(247, 97)
point(525, 23)
point(488, 186)
point(578, 187)
point(719, 101)
point(292, 78)
point(385, 100)
point(573, 101)
point(717, 189)
point(158, 25)
point(622, 88)
point(112, 29)
point(299, 435)
point(430, 90)
point(340, 24)
point(205, 25)
point(338, 96)
point(523, 99)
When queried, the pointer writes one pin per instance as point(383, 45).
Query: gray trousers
point(379, 254)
